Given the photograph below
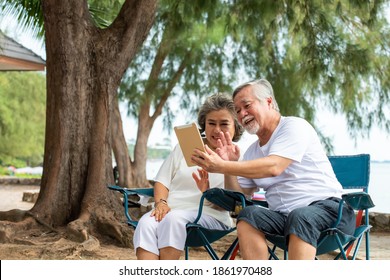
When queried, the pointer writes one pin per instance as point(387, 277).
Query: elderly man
point(289, 163)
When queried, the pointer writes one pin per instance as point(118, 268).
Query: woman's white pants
point(151, 235)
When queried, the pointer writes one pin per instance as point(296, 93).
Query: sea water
point(379, 187)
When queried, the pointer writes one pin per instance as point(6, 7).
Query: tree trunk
point(132, 173)
point(84, 69)
point(146, 118)
point(120, 149)
point(145, 124)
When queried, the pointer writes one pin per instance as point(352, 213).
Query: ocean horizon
point(379, 177)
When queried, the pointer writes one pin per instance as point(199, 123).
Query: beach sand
point(38, 245)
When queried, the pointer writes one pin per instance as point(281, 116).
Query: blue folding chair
point(353, 173)
point(197, 235)
point(127, 203)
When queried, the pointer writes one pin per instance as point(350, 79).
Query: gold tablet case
point(189, 140)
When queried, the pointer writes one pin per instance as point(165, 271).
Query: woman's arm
point(161, 207)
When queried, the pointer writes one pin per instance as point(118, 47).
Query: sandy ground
point(11, 197)
point(38, 245)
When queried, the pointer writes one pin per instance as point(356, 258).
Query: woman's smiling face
point(217, 121)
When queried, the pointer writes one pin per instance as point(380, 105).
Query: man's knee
point(242, 226)
point(299, 215)
point(246, 212)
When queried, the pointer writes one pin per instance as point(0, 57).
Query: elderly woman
point(161, 233)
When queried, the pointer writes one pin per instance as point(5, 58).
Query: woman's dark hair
point(217, 102)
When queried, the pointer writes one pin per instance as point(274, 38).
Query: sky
point(331, 125)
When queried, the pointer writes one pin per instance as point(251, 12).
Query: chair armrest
point(225, 199)
point(129, 192)
point(358, 200)
point(141, 191)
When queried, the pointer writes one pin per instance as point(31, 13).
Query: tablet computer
point(189, 139)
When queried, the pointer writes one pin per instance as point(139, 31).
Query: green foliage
point(28, 13)
point(183, 59)
point(4, 171)
point(11, 161)
point(30, 176)
point(103, 12)
point(30, 17)
point(22, 117)
point(332, 53)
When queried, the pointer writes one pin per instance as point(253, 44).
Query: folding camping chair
point(197, 235)
point(353, 173)
point(127, 203)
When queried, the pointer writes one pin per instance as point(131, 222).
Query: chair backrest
point(352, 171)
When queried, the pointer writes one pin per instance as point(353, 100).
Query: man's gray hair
point(261, 88)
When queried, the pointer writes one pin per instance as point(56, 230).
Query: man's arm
point(231, 183)
point(269, 166)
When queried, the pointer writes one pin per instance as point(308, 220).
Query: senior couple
point(287, 161)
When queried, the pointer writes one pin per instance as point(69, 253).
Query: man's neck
point(266, 133)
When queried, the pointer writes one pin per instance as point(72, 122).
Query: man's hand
point(209, 160)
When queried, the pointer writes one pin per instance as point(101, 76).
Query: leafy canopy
point(333, 54)
point(317, 54)
point(22, 117)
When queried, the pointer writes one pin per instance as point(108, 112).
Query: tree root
point(102, 224)
point(14, 215)
point(78, 230)
point(119, 231)
point(16, 221)
point(41, 222)
point(8, 229)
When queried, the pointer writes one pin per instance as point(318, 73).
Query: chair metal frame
point(126, 193)
point(197, 235)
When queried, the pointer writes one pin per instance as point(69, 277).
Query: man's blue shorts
point(305, 222)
